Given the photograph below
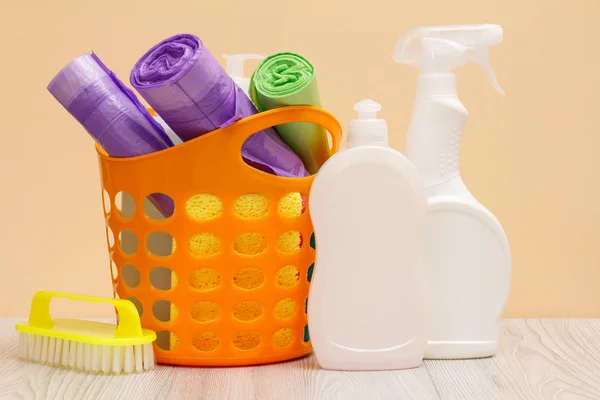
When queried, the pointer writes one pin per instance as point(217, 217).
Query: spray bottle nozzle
point(440, 49)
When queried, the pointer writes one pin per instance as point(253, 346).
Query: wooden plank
point(299, 379)
point(538, 359)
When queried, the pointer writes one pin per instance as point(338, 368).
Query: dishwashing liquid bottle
point(367, 306)
point(467, 257)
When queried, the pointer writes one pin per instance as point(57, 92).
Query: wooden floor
point(538, 359)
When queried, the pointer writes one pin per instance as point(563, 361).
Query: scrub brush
point(89, 346)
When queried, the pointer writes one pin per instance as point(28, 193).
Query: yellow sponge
point(287, 276)
point(204, 279)
point(283, 337)
point(174, 312)
point(202, 207)
point(246, 340)
point(204, 244)
point(249, 278)
point(205, 341)
point(250, 243)
point(289, 242)
point(251, 206)
point(173, 341)
point(285, 309)
point(247, 310)
point(292, 205)
point(205, 311)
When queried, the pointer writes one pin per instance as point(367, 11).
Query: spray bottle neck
point(436, 127)
point(436, 84)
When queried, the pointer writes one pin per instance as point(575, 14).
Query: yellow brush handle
point(129, 319)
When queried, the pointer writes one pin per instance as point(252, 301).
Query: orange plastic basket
point(226, 308)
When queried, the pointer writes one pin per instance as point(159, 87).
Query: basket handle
point(246, 127)
point(129, 320)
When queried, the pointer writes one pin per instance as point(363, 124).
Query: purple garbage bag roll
point(111, 113)
point(188, 88)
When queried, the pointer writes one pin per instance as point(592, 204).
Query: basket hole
point(167, 340)
point(246, 340)
point(205, 311)
point(251, 206)
point(161, 244)
point(125, 204)
point(163, 278)
point(250, 243)
point(165, 311)
point(128, 241)
point(137, 304)
point(283, 337)
point(204, 279)
point(309, 273)
point(292, 205)
point(247, 310)
point(305, 334)
point(285, 309)
point(205, 341)
point(106, 201)
point(249, 278)
point(204, 207)
point(110, 237)
point(159, 206)
point(289, 242)
point(306, 306)
point(131, 275)
point(313, 243)
point(114, 271)
point(204, 244)
point(287, 276)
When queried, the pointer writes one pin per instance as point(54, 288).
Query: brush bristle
point(90, 358)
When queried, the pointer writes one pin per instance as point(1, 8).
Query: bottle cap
point(367, 129)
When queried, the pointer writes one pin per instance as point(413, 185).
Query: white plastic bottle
point(234, 66)
point(467, 257)
point(367, 305)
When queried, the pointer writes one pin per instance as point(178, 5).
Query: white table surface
point(538, 359)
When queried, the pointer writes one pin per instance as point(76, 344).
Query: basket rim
point(102, 154)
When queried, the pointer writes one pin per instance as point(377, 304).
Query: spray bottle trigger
point(482, 56)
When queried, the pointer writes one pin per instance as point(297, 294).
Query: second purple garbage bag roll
point(111, 113)
point(188, 88)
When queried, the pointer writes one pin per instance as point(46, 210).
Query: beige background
point(531, 156)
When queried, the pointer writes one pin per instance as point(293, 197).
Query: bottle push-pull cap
point(367, 129)
point(439, 49)
point(367, 109)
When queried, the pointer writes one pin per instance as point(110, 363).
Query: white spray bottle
point(467, 257)
point(234, 66)
point(367, 305)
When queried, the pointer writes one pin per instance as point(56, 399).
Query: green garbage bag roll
point(288, 79)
